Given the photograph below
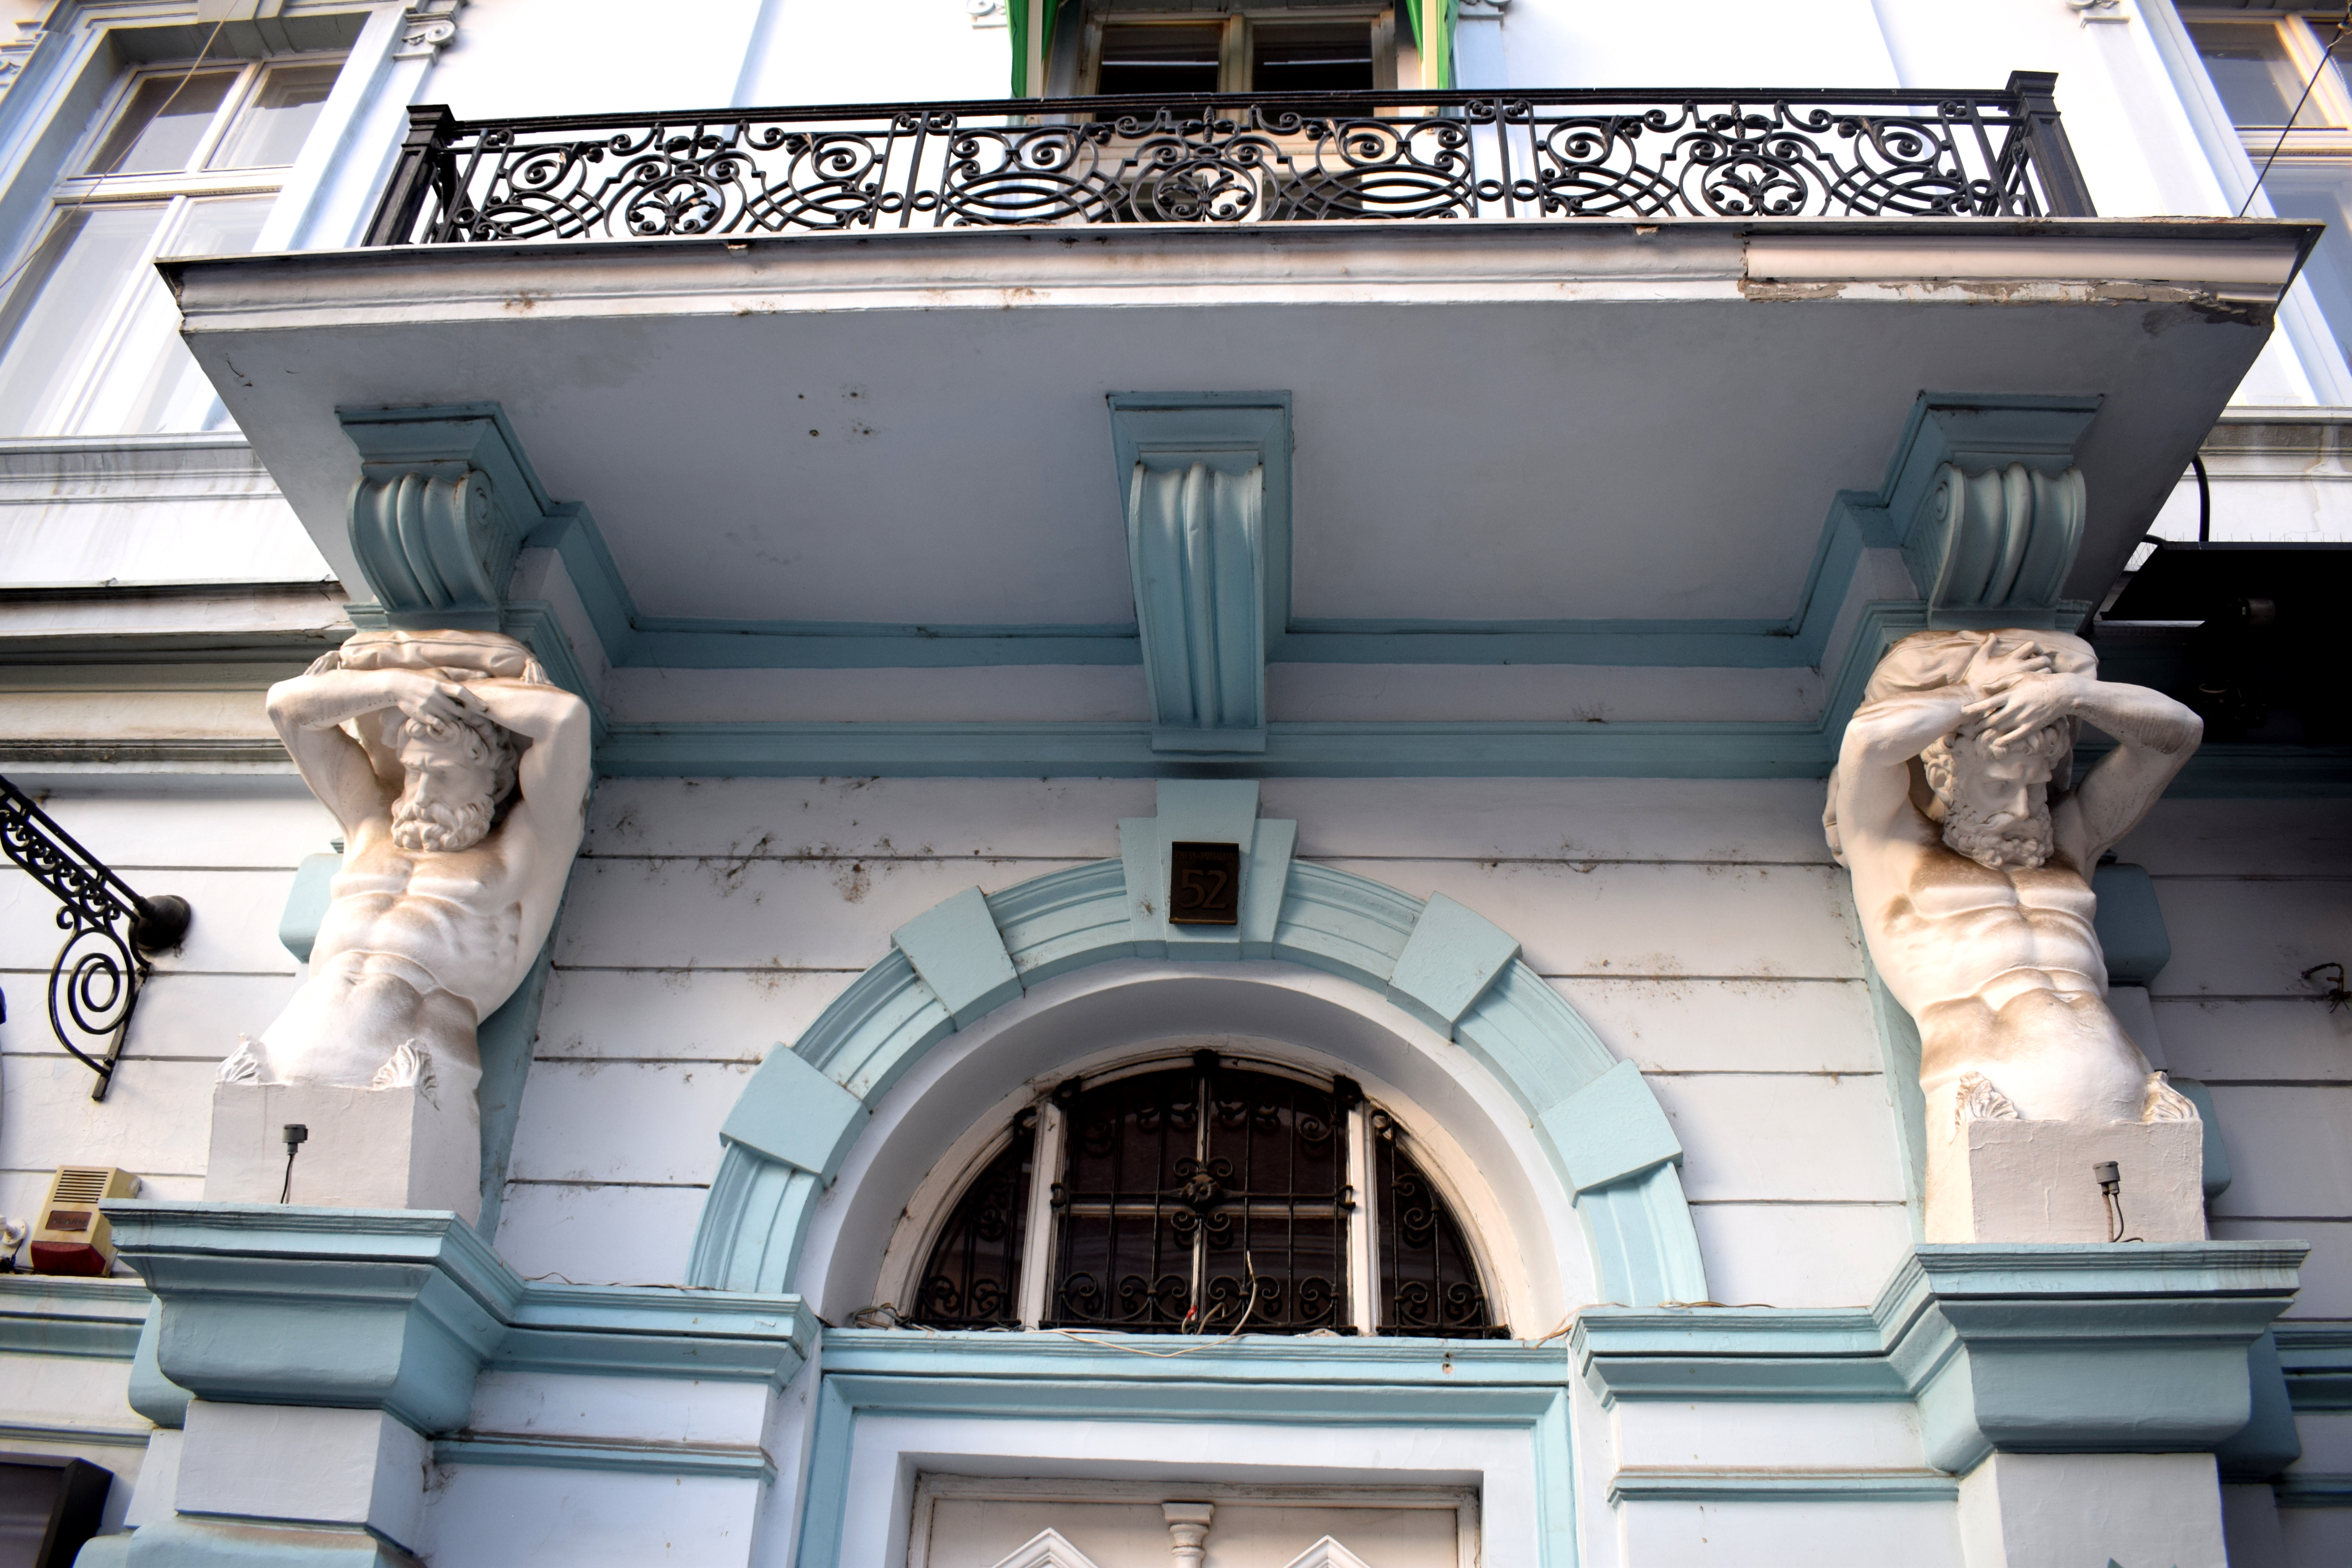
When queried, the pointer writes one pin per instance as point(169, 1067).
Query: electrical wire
point(2326, 53)
point(8, 280)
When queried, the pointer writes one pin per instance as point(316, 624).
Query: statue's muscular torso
point(2002, 972)
point(455, 916)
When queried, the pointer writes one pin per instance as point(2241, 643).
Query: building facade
point(1203, 929)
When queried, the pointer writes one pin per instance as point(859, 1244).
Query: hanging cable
point(83, 200)
point(2326, 53)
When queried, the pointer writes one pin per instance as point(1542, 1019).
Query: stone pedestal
point(2006, 1182)
point(367, 1148)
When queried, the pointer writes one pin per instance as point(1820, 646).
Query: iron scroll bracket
point(112, 934)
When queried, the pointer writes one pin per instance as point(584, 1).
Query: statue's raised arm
point(461, 776)
point(1971, 859)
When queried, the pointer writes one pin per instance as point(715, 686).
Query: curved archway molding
point(805, 1108)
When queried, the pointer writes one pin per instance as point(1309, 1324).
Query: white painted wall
point(231, 853)
point(2254, 892)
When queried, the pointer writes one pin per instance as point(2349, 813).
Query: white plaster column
point(306, 1466)
point(2078, 1510)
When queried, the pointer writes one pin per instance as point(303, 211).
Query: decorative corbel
point(1989, 507)
point(433, 528)
point(1206, 477)
point(424, 27)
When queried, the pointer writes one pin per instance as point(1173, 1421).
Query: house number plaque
point(1204, 884)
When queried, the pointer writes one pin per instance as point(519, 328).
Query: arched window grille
point(1205, 1196)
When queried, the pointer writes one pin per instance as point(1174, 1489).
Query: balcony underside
point(1598, 443)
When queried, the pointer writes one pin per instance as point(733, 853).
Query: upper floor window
point(1205, 1196)
point(2259, 68)
point(1303, 48)
point(186, 160)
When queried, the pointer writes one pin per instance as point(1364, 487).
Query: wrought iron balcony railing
point(1236, 159)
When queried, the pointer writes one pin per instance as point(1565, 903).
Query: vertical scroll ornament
point(433, 542)
point(1196, 549)
point(1993, 543)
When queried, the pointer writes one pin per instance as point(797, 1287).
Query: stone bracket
point(445, 503)
point(1985, 503)
point(1206, 480)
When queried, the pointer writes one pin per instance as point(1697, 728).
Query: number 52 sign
point(1204, 884)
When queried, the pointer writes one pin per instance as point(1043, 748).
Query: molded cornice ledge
point(2057, 1349)
point(400, 1309)
point(2047, 1349)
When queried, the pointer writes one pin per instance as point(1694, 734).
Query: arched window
point(1205, 1196)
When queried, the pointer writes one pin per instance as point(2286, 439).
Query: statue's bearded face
point(1996, 804)
point(449, 792)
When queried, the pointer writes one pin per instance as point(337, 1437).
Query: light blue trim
point(1782, 1486)
point(956, 952)
point(2129, 924)
point(2304, 1489)
point(400, 1309)
point(1452, 955)
point(65, 1434)
point(1762, 1353)
point(2081, 1349)
point(1232, 431)
point(1405, 749)
point(1898, 1057)
point(803, 1106)
point(2317, 1361)
point(1204, 811)
point(673, 642)
point(1256, 1379)
point(152, 1394)
point(721, 1461)
point(60, 1315)
point(2018, 1349)
point(185, 1540)
point(1206, 481)
point(1616, 1128)
point(2268, 1442)
point(504, 1042)
point(306, 904)
point(796, 1116)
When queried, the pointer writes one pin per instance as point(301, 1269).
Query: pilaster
point(326, 1349)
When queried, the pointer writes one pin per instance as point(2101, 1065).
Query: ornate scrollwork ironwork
point(112, 935)
point(1234, 159)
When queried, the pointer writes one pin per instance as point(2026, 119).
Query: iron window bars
point(1236, 158)
point(1210, 1197)
point(111, 933)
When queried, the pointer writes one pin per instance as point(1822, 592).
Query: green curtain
point(1432, 20)
point(1025, 17)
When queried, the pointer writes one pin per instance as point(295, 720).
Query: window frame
point(2331, 93)
point(932, 1206)
point(1233, 54)
point(75, 192)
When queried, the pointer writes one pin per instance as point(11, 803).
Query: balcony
point(835, 388)
point(1545, 156)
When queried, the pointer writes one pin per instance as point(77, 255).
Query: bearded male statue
point(461, 776)
point(1971, 859)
